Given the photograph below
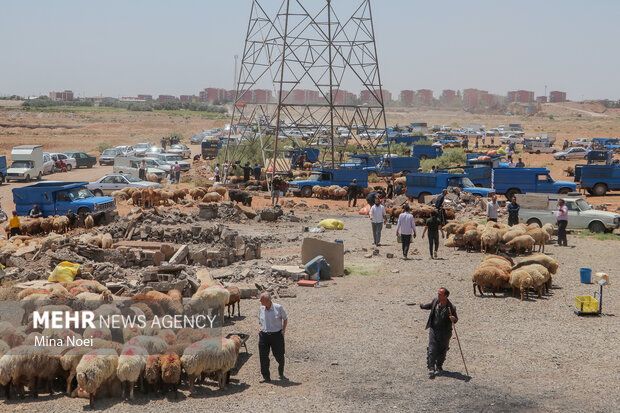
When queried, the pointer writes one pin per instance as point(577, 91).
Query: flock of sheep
point(150, 197)
point(494, 237)
point(153, 356)
point(499, 272)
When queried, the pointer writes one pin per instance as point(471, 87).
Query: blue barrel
point(585, 274)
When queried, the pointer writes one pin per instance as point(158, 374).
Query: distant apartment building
point(343, 97)
point(448, 96)
point(66, 95)
point(188, 98)
point(366, 96)
point(261, 96)
point(471, 98)
point(166, 98)
point(211, 95)
point(407, 97)
point(146, 98)
point(541, 99)
point(521, 96)
point(424, 97)
point(556, 96)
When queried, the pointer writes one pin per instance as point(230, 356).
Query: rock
point(285, 292)
point(400, 200)
point(334, 363)
point(375, 251)
point(270, 214)
point(249, 212)
point(180, 255)
point(293, 272)
point(247, 290)
point(395, 271)
point(323, 206)
point(389, 255)
point(167, 250)
point(369, 255)
point(26, 252)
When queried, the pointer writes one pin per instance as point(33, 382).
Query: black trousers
point(275, 343)
point(438, 346)
point(513, 221)
point(491, 219)
point(406, 241)
point(562, 232)
point(433, 240)
point(15, 231)
point(353, 197)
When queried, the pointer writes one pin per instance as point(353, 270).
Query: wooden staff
point(458, 341)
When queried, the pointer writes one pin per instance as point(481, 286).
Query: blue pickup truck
point(393, 165)
point(360, 161)
point(511, 181)
point(2, 168)
point(612, 144)
point(598, 179)
point(406, 139)
point(57, 198)
point(426, 151)
point(420, 185)
point(328, 177)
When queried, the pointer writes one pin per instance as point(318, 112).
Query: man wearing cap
point(272, 321)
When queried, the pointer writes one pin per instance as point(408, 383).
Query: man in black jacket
point(440, 320)
point(352, 193)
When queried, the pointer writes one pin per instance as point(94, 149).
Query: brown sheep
point(152, 372)
point(106, 241)
point(235, 298)
point(522, 242)
point(152, 178)
point(540, 236)
point(179, 194)
point(212, 197)
point(170, 365)
point(89, 222)
point(197, 193)
point(47, 224)
point(221, 190)
point(488, 275)
point(136, 198)
point(60, 224)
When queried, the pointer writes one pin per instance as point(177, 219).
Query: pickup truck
point(57, 198)
point(426, 151)
point(328, 177)
point(360, 161)
point(512, 181)
point(420, 185)
point(389, 166)
point(2, 168)
point(538, 146)
point(542, 208)
point(598, 179)
point(612, 144)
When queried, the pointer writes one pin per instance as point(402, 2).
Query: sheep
point(89, 222)
point(212, 197)
point(170, 364)
point(221, 190)
point(120, 195)
point(209, 356)
point(154, 345)
point(489, 276)
point(540, 277)
point(522, 242)
point(542, 259)
point(47, 224)
point(99, 343)
point(197, 193)
point(152, 371)
point(209, 298)
point(489, 240)
point(190, 335)
point(472, 239)
point(502, 264)
point(60, 224)
point(450, 228)
point(167, 335)
point(540, 237)
point(136, 198)
point(4, 348)
point(234, 298)
point(455, 240)
point(522, 280)
point(179, 194)
point(170, 305)
point(131, 365)
point(21, 364)
point(69, 362)
point(549, 229)
point(501, 257)
point(106, 241)
point(512, 234)
point(151, 177)
point(95, 368)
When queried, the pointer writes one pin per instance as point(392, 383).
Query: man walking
point(513, 212)
point(272, 321)
point(405, 228)
point(441, 212)
point(217, 172)
point(492, 209)
point(377, 216)
point(433, 226)
point(440, 320)
point(142, 171)
point(352, 191)
point(562, 223)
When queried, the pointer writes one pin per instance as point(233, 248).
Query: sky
point(124, 48)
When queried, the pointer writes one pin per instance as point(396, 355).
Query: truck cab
point(360, 161)
point(57, 198)
point(328, 177)
point(426, 151)
point(512, 181)
point(393, 165)
point(27, 163)
point(420, 185)
point(210, 147)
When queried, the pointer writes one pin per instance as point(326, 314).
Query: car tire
point(421, 197)
point(596, 227)
point(599, 189)
point(562, 158)
point(564, 191)
point(538, 152)
point(512, 192)
point(98, 193)
point(39, 176)
point(69, 167)
point(534, 221)
point(27, 178)
point(306, 191)
point(89, 165)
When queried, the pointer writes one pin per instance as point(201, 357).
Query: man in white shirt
point(511, 163)
point(272, 321)
point(405, 228)
point(492, 209)
point(377, 216)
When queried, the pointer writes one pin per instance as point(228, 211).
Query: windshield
point(143, 146)
point(109, 152)
point(21, 164)
point(583, 205)
point(131, 178)
point(174, 158)
point(79, 193)
point(177, 147)
point(315, 176)
point(467, 183)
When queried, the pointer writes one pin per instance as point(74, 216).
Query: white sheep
point(20, 365)
point(522, 280)
point(209, 356)
point(131, 364)
point(98, 332)
point(152, 344)
point(4, 348)
point(489, 240)
point(540, 276)
point(549, 229)
point(472, 239)
point(540, 237)
point(69, 362)
point(522, 242)
point(95, 368)
point(208, 299)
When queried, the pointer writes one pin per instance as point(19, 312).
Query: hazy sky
point(122, 48)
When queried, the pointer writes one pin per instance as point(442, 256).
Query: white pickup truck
point(542, 209)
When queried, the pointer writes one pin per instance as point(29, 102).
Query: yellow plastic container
point(586, 304)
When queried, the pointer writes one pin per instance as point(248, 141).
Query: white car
point(510, 139)
point(576, 152)
point(140, 148)
point(48, 164)
point(126, 150)
point(180, 149)
point(170, 159)
point(71, 162)
point(115, 182)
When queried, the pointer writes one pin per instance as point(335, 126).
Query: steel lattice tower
point(292, 46)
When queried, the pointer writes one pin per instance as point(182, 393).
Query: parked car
point(181, 149)
point(576, 152)
point(583, 142)
point(197, 138)
point(82, 159)
point(153, 150)
point(420, 185)
point(115, 182)
point(510, 139)
point(71, 162)
point(126, 150)
point(48, 164)
point(170, 159)
point(131, 165)
point(140, 148)
point(107, 156)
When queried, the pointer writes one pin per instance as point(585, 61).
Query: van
point(27, 163)
point(124, 165)
point(420, 185)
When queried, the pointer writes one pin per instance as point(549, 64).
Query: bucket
point(585, 275)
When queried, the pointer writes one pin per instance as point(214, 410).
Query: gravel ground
point(356, 343)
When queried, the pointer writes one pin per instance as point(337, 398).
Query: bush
point(102, 146)
point(447, 160)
